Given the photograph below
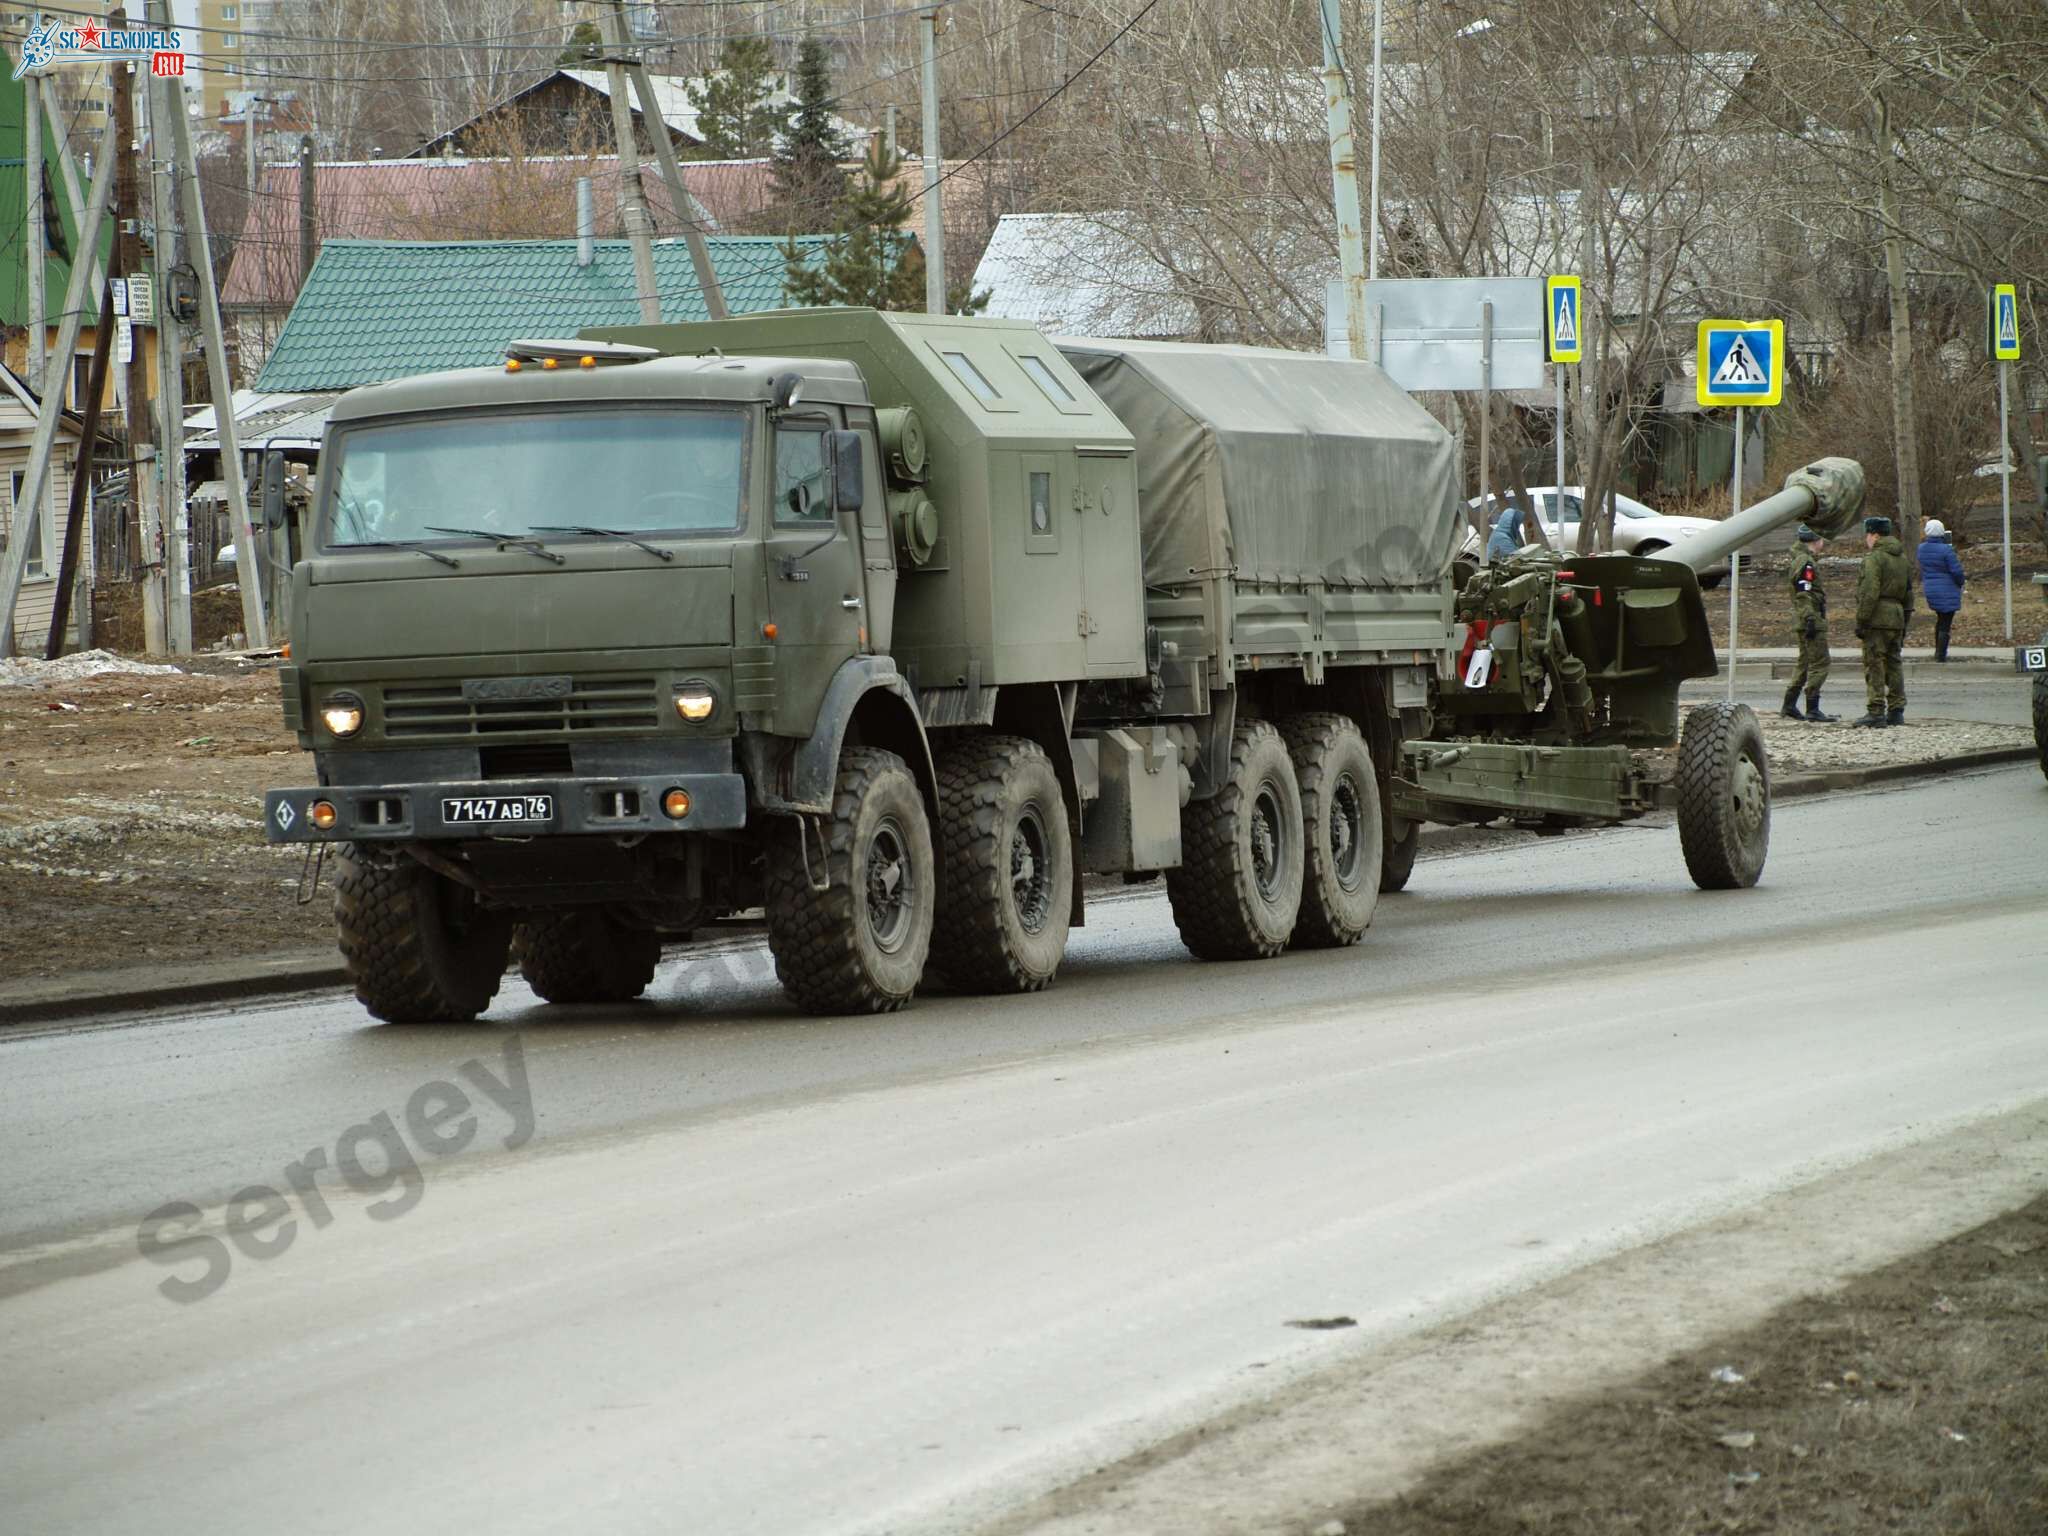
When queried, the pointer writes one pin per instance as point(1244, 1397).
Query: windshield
point(511, 472)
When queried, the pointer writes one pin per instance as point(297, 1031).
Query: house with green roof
point(373, 310)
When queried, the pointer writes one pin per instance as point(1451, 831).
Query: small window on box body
point(963, 367)
point(1041, 501)
point(1045, 379)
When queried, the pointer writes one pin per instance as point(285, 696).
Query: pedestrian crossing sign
point(1562, 342)
point(1741, 362)
point(2005, 323)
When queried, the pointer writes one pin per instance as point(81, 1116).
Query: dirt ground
point(1766, 616)
point(129, 826)
point(1913, 1402)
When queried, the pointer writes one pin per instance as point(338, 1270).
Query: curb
point(51, 1001)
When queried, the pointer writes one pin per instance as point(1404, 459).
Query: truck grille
point(591, 704)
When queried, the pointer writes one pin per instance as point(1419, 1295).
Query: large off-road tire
point(2041, 720)
point(585, 955)
point(858, 946)
point(1238, 890)
point(1342, 830)
point(1006, 867)
point(1724, 797)
point(418, 948)
point(1397, 855)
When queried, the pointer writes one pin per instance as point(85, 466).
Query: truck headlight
point(342, 714)
point(695, 701)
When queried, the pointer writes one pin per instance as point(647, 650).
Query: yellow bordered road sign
point(1741, 362)
point(2005, 323)
point(1563, 335)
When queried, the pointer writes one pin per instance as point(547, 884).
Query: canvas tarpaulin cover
point(1278, 466)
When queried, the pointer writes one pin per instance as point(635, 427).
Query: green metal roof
point(384, 309)
point(14, 215)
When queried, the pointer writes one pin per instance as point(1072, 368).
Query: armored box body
point(1034, 576)
point(1295, 509)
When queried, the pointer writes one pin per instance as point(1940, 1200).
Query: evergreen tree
point(872, 260)
point(734, 118)
point(808, 181)
point(585, 42)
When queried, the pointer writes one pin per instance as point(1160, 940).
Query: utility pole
point(309, 209)
point(165, 98)
point(249, 146)
point(1905, 419)
point(149, 529)
point(688, 214)
point(255, 627)
point(1344, 172)
point(35, 484)
point(38, 240)
point(632, 196)
point(934, 218)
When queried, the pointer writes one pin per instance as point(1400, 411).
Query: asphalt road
point(741, 1270)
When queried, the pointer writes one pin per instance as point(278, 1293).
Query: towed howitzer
point(1567, 676)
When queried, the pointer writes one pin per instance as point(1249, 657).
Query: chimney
point(586, 223)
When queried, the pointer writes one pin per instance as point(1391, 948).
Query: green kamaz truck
point(893, 626)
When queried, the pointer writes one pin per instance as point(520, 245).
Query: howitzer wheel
point(1238, 890)
point(418, 948)
point(584, 955)
point(1006, 866)
point(1724, 797)
point(1341, 827)
point(2041, 720)
point(859, 944)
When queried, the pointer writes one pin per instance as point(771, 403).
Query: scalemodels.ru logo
point(50, 45)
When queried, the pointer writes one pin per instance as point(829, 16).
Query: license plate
point(497, 810)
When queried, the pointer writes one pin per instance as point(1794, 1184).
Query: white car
point(1638, 530)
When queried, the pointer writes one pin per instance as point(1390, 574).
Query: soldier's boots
point(1790, 708)
point(1897, 716)
point(1872, 719)
point(1813, 709)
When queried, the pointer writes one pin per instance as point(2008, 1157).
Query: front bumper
point(611, 805)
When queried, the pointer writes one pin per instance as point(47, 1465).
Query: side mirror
point(273, 489)
point(849, 488)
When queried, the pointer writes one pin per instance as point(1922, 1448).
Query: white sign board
point(1427, 331)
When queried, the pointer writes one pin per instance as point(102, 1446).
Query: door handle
point(849, 602)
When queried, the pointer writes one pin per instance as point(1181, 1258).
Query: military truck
point(893, 626)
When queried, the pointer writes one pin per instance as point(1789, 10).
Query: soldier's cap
point(1877, 525)
point(1805, 535)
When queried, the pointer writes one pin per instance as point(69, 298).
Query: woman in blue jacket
point(1941, 578)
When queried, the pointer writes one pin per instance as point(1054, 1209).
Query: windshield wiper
point(607, 533)
point(415, 545)
point(505, 541)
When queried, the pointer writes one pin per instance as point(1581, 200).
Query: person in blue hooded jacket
point(1506, 537)
point(1941, 578)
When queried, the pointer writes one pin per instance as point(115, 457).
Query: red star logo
point(89, 35)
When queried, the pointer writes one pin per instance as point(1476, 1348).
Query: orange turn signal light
point(549, 362)
point(675, 805)
point(321, 814)
point(769, 631)
point(586, 361)
point(513, 365)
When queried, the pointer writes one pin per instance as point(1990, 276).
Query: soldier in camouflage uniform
point(1884, 601)
point(1809, 629)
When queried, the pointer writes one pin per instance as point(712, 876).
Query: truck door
point(816, 598)
point(877, 541)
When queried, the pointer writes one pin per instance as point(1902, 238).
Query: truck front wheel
point(850, 923)
point(418, 948)
point(1006, 866)
point(1341, 828)
point(1238, 889)
point(584, 955)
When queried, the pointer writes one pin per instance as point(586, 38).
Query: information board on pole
point(1437, 333)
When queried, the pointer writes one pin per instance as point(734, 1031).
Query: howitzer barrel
point(1827, 494)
